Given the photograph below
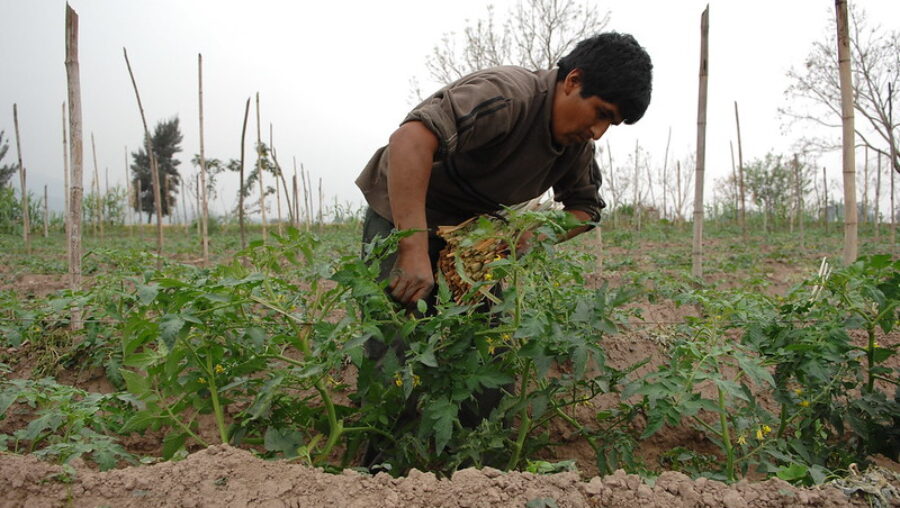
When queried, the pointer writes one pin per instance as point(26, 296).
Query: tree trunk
point(849, 163)
point(241, 189)
point(259, 173)
point(743, 212)
point(73, 86)
point(697, 254)
point(26, 223)
point(154, 168)
point(204, 209)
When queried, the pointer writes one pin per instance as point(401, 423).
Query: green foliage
point(68, 423)
point(166, 142)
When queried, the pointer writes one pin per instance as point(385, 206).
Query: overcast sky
point(333, 77)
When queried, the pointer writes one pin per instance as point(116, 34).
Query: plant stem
point(726, 438)
point(870, 356)
point(217, 406)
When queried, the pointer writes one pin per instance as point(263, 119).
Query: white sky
point(333, 77)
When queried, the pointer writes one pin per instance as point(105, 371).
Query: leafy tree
point(6, 170)
point(815, 87)
point(214, 167)
point(166, 143)
point(536, 34)
point(769, 181)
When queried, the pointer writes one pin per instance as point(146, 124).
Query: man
point(498, 137)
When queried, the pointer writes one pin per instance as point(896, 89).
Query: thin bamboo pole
point(76, 151)
point(665, 173)
point(241, 190)
point(296, 215)
point(67, 190)
point(306, 199)
point(321, 205)
point(743, 212)
point(825, 197)
point(697, 251)
point(204, 231)
point(98, 217)
point(277, 185)
point(800, 203)
point(734, 179)
point(26, 222)
point(46, 214)
point(878, 201)
point(259, 173)
point(847, 119)
point(154, 169)
point(865, 183)
point(893, 166)
point(130, 195)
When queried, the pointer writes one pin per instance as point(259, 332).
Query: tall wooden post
point(277, 186)
point(825, 197)
point(97, 200)
point(26, 222)
point(849, 157)
point(76, 151)
point(204, 233)
point(46, 214)
point(697, 253)
point(877, 206)
point(865, 184)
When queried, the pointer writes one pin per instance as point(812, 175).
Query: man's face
point(577, 119)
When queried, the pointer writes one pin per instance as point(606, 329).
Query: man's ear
point(573, 80)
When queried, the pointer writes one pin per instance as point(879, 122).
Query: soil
point(226, 476)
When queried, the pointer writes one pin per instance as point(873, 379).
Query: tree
point(536, 34)
point(166, 143)
point(876, 84)
point(770, 181)
point(6, 170)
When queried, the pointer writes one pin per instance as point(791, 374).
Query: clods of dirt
point(226, 476)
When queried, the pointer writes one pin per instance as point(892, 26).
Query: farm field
point(237, 383)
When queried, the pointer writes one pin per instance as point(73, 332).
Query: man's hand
point(411, 278)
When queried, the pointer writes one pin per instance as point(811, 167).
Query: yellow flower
point(804, 403)
point(798, 391)
point(759, 434)
point(556, 284)
point(498, 257)
point(201, 380)
point(742, 439)
point(398, 379)
point(506, 337)
point(219, 369)
point(490, 345)
point(488, 276)
point(766, 429)
point(416, 380)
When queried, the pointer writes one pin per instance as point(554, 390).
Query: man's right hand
point(411, 277)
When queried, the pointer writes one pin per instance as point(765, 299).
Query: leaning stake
point(26, 226)
point(154, 170)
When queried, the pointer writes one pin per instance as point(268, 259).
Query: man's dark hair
point(616, 68)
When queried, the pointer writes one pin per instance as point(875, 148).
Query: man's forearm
point(412, 149)
point(581, 216)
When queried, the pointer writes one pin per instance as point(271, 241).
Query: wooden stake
point(204, 232)
point(67, 190)
point(697, 253)
point(865, 183)
point(825, 206)
point(877, 206)
point(734, 179)
point(73, 85)
point(743, 215)
point(97, 199)
point(849, 162)
point(241, 193)
point(259, 173)
point(296, 214)
point(665, 174)
point(277, 185)
point(46, 215)
point(26, 223)
point(154, 168)
point(321, 205)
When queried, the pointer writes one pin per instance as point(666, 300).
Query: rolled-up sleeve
point(579, 189)
point(467, 114)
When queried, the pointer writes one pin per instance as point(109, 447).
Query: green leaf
point(147, 294)
point(443, 413)
point(136, 383)
point(421, 306)
point(792, 473)
point(286, 441)
point(169, 326)
point(173, 442)
point(756, 372)
point(139, 422)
